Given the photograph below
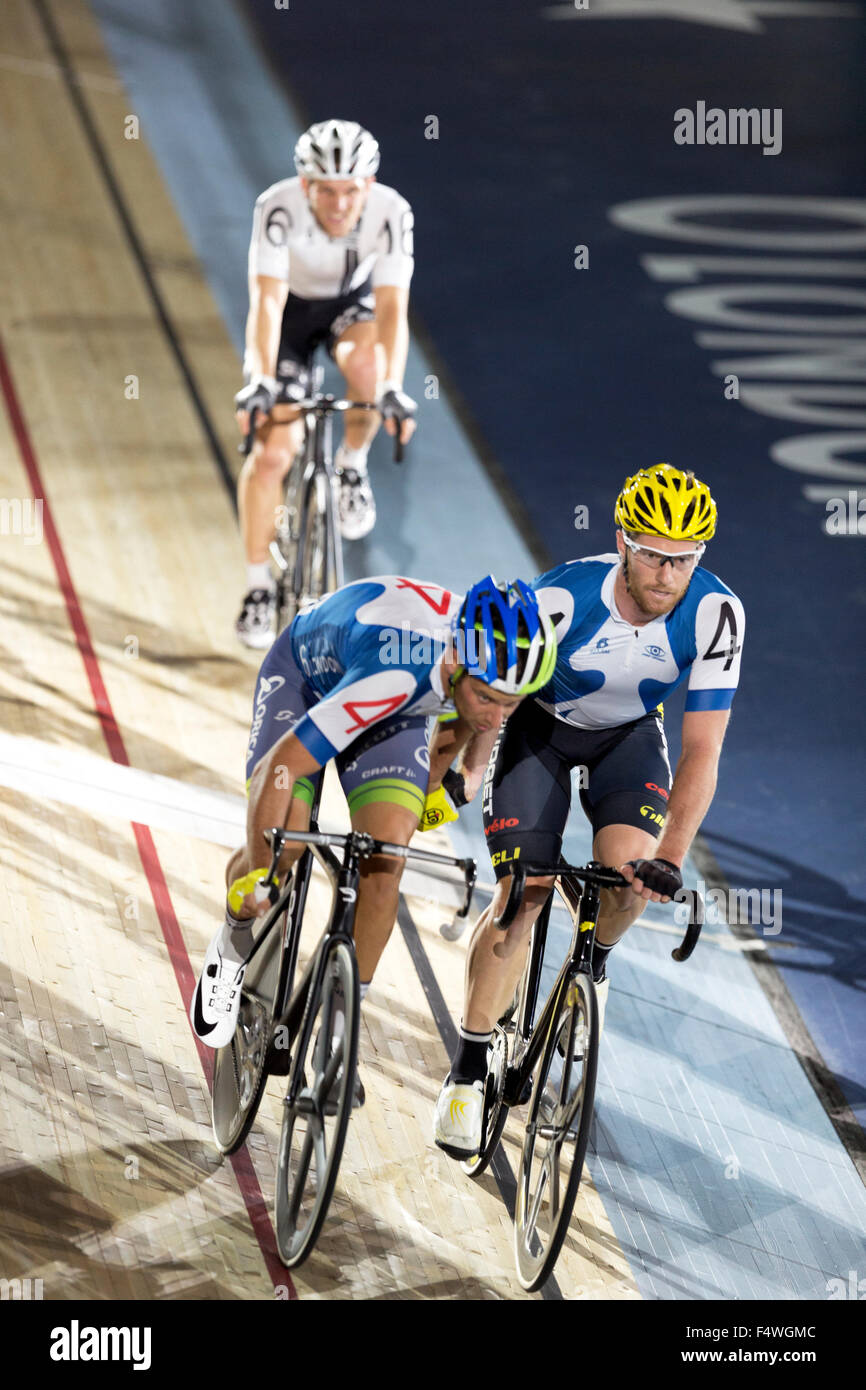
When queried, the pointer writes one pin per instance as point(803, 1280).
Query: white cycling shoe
point(255, 625)
point(457, 1122)
point(357, 504)
point(217, 998)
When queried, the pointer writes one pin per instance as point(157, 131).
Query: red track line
point(241, 1162)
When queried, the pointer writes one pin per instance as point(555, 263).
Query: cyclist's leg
point(277, 441)
point(626, 800)
point(282, 697)
point(525, 800)
point(354, 346)
point(384, 775)
point(279, 437)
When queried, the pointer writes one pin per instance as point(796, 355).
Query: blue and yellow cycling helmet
point(515, 636)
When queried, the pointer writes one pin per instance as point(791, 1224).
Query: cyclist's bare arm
point(693, 787)
point(455, 738)
point(271, 789)
point(392, 328)
point(268, 297)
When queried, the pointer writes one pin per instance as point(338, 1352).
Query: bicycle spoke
point(552, 1161)
point(321, 1149)
point(327, 1079)
point(532, 1216)
point(301, 1171)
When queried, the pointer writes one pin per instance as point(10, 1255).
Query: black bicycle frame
point(579, 958)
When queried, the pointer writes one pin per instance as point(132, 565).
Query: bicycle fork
point(309, 990)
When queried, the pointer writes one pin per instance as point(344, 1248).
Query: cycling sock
point(364, 988)
point(236, 924)
point(470, 1059)
point(599, 961)
point(352, 458)
point(260, 576)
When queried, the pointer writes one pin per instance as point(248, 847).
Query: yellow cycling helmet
point(665, 501)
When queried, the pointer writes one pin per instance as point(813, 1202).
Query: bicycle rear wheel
point(314, 1128)
point(240, 1073)
point(557, 1130)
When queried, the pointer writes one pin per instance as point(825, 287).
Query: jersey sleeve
point(269, 243)
point(356, 702)
point(558, 604)
point(395, 247)
point(720, 624)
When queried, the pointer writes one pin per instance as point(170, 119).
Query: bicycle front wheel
point(314, 1128)
point(560, 1114)
point(321, 558)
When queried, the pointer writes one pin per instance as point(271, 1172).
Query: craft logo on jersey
point(602, 647)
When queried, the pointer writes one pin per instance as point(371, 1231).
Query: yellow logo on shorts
point(503, 856)
point(652, 814)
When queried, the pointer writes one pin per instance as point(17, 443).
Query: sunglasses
point(656, 559)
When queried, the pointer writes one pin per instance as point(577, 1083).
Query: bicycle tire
point(302, 1137)
point(314, 543)
point(562, 1105)
point(495, 1112)
point(240, 1072)
point(287, 539)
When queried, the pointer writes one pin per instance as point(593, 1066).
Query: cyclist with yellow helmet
point(630, 626)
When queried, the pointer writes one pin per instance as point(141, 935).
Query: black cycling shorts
point(308, 323)
point(526, 797)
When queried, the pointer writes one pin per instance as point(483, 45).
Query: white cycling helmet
point(336, 150)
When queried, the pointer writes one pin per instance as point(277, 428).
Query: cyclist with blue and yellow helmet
point(630, 626)
point(355, 678)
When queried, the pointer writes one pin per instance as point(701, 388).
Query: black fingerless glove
point(455, 787)
point(658, 875)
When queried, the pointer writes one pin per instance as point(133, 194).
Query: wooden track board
point(110, 1184)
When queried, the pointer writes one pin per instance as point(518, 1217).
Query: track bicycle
point(551, 1061)
point(307, 549)
point(306, 1031)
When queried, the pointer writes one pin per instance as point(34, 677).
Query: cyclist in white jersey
point(630, 627)
point(330, 262)
point(355, 679)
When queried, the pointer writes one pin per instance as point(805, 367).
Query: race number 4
point(717, 650)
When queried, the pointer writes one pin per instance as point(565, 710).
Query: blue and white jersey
point(369, 650)
point(609, 672)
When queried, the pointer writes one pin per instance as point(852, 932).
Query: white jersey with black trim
point(609, 672)
point(289, 244)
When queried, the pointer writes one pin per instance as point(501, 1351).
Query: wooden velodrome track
point(118, 654)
